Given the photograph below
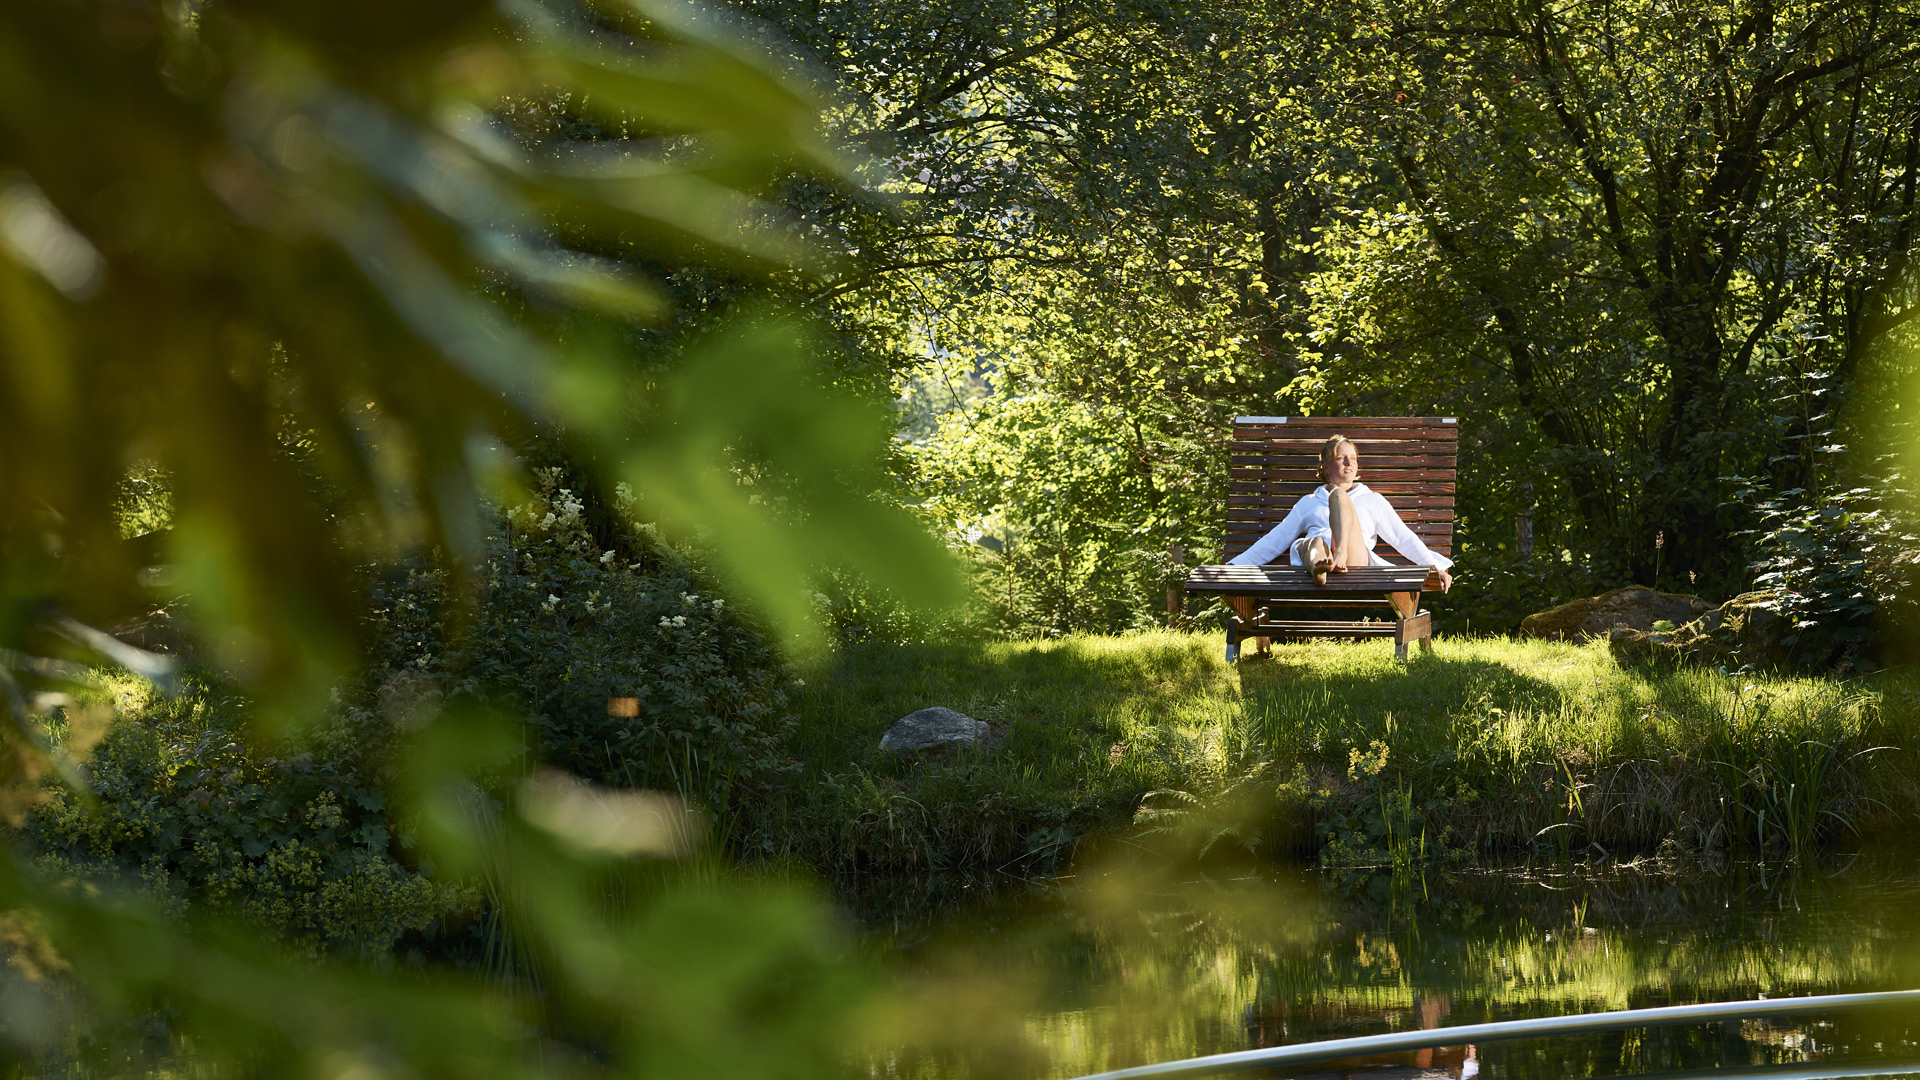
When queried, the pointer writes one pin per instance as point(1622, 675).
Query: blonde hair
point(1330, 448)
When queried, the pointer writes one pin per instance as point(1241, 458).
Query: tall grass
point(1497, 746)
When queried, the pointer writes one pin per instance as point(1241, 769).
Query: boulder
point(937, 728)
point(1630, 647)
point(1635, 607)
point(1744, 631)
point(1749, 628)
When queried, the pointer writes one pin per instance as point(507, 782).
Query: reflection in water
point(1124, 968)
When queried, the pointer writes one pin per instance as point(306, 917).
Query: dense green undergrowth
point(1486, 746)
point(191, 807)
point(203, 820)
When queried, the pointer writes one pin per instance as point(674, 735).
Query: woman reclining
point(1335, 526)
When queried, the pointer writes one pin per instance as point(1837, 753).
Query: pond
point(1126, 966)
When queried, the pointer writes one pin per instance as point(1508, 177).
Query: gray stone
point(937, 728)
point(1635, 607)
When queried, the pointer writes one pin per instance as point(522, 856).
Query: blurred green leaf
point(747, 398)
point(317, 267)
point(287, 269)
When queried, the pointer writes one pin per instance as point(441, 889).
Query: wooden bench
point(1273, 461)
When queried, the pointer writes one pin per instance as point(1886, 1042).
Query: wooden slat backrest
point(1273, 460)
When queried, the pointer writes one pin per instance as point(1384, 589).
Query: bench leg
point(1248, 611)
point(1407, 606)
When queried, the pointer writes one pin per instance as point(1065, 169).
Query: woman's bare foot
point(1321, 560)
point(1320, 570)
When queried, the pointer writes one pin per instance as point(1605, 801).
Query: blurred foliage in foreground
point(298, 255)
point(312, 269)
point(306, 843)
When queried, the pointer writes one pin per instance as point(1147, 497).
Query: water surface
point(1126, 967)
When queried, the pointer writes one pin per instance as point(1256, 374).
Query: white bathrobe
point(1309, 519)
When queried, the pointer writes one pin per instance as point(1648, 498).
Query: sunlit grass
point(1497, 739)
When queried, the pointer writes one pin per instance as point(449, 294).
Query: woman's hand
point(1446, 579)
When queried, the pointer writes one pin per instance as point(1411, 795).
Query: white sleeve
point(1269, 547)
point(1390, 528)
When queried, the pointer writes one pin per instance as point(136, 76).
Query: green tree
point(1631, 206)
point(1601, 235)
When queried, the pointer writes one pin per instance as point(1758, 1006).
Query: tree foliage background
point(1647, 252)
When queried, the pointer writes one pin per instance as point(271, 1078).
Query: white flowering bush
point(565, 620)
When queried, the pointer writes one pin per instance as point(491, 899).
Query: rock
point(1749, 628)
point(1630, 647)
point(1744, 631)
point(1635, 607)
point(937, 728)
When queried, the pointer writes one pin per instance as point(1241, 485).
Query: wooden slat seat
point(1273, 461)
point(1230, 579)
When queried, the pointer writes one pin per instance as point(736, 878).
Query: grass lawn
point(1489, 745)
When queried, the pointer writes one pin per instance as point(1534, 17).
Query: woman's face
point(1344, 466)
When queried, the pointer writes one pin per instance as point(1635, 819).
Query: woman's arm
point(1390, 528)
point(1271, 546)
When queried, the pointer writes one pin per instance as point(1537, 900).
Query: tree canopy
point(1641, 249)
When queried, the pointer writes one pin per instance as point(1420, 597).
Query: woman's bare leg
point(1349, 539)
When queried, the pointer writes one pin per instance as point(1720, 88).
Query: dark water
point(1127, 967)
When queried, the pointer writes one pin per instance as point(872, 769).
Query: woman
point(1336, 525)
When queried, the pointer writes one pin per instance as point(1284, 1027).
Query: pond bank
point(1485, 747)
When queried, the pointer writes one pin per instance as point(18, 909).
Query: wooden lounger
point(1271, 463)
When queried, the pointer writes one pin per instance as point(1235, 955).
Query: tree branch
point(965, 81)
point(1577, 129)
point(915, 127)
point(1436, 30)
point(875, 273)
point(1540, 403)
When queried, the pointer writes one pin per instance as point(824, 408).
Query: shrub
point(563, 620)
point(1066, 509)
point(1491, 594)
point(855, 612)
point(298, 842)
point(1835, 563)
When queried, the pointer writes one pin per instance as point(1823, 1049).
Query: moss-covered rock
point(1745, 631)
point(1635, 607)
